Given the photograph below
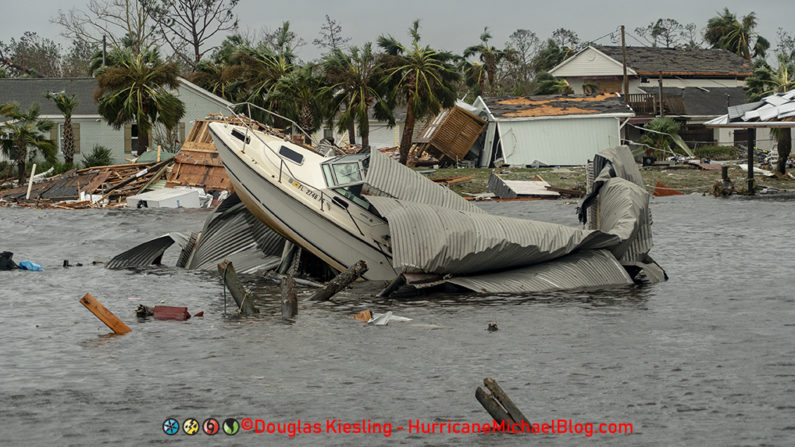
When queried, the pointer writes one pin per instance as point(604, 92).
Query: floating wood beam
point(106, 316)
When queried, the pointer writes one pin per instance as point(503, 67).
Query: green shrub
point(99, 156)
point(58, 168)
point(716, 152)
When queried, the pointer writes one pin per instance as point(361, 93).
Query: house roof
point(648, 61)
point(537, 107)
point(776, 110)
point(703, 101)
point(26, 91)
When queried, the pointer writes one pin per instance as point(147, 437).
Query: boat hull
point(299, 223)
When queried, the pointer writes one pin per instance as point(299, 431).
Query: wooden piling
point(498, 404)
point(502, 398)
point(289, 299)
point(106, 316)
point(491, 405)
point(340, 282)
point(239, 293)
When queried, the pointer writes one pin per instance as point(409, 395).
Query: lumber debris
point(239, 294)
point(106, 316)
point(340, 282)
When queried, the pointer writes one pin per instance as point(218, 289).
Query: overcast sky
point(445, 24)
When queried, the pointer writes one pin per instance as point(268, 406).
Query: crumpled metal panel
point(231, 231)
point(386, 178)
point(624, 211)
point(145, 254)
point(582, 270)
point(431, 239)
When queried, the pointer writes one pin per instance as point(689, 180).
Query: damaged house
point(693, 86)
point(557, 130)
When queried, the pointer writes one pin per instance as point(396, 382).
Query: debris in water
point(106, 316)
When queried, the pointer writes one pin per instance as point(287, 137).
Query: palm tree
point(421, 77)
point(474, 75)
point(24, 131)
point(66, 103)
point(764, 82)
point(255, 72)
point(355, 83)
point(546, 84)
point(489, 56)
point(739, 37)
point(136, 92)
point(302, 97)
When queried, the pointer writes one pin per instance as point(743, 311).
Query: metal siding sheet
point(582, 270)
point(556, 141)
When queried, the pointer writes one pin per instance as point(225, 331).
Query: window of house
point(134, 139)
point(60, 138)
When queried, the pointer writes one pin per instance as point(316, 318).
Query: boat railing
point(245, 120)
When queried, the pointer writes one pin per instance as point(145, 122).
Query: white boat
point(312, 200)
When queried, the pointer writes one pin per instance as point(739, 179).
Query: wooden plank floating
point(106, 316)
point(340, 282)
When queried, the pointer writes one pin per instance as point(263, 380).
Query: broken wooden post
point(498, 404)
point(106, 316)
point(289, 300)
point(239, 293)
point(503, 398)
point(30, 183)
point(491, 405)
point(392, 286)
point(340, 282)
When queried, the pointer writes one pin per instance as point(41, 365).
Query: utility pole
point(624, 54)
point(659, 80)
point(104, 50)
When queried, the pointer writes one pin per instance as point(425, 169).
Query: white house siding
point(561, 142)
point(590, 62)
point(197, 106)
point(381, 135)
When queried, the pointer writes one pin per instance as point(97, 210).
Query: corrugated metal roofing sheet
point(389, 178)
point(584, 270)
point(431, 239)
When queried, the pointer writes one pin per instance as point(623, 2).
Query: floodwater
point(707, 358)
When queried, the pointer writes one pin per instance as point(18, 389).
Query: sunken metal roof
point(518, 107)
point(680, 61)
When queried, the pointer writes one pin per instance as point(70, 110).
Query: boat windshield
point(345, 176)
point(346, 169)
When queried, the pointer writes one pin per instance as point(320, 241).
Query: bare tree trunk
point(68, 141)
point(143, 140)
point(364, 129)
point(784, 149)
point(352, 132)
point(22, 154)
point(306, 121)
point(408, 131)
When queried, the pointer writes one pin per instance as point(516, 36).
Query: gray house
point(88, 126)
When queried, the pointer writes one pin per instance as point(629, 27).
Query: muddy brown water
point(707, 358)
